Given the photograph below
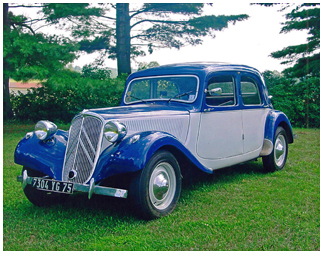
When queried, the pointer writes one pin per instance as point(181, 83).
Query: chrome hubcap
point(162, 185)
point(280, 150)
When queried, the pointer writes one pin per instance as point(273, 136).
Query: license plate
point(52, 185)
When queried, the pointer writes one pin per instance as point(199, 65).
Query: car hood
point(136, 111)
point(141, 118)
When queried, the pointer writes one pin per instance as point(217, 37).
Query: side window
point(221, 91)
point(250, 91)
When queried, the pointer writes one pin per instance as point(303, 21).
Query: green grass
point(237, 208)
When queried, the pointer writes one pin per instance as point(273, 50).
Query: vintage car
point(172, 117)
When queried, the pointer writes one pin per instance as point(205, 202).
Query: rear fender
point(45, 157)
point(133, 153)
point(275, 119)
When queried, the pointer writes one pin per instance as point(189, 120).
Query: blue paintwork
point(265, 101)
point(125, 156)
point(47, 158)
point(202, 70)
point(274, 119)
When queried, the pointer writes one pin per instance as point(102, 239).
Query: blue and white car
point(171, 118)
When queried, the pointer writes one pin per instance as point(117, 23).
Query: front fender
point(46, 157)
point(129, 156)
point(274, 119)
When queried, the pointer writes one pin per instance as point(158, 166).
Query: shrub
point(298, 98)
point(65, 94)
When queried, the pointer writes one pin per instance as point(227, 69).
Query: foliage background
point(298, 98)
point(64, 95)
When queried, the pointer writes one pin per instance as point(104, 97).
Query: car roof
point(197, 67)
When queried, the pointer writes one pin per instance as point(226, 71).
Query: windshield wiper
point(142, 100)
point(180, 95)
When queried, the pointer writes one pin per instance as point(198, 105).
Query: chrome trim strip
point(88, 139)
point(165, 99)
point(78, 142)
point(86, 153)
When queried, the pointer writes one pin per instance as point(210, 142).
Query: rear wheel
point(277, 159)
point(39, 197)
point(155, 190)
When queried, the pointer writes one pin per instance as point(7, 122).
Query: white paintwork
point(193, 131)
point(225, 162)
point(253, 128)
point(214, 138)
point(220, 135)
point(232, 129)
point(174, 125)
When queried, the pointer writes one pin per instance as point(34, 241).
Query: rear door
point(254, 112)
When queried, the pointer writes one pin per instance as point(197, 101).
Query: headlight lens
point(114, 131)
point(45, 129)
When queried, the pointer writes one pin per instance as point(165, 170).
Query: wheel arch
point(112, 160)
point(288, 130)
point(183, 161)
point(274, 120)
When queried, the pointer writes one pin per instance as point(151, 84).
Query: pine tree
point(133, 32)
point(29, 54)
point(304, 57)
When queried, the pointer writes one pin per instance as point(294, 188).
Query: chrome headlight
point(114, 131)
point(44, 129)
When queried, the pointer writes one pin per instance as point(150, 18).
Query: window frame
point(235, 92)
point(161, 99)
point(257, 85)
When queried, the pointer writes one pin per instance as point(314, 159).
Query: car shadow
point(228, 174)
point(103, 207)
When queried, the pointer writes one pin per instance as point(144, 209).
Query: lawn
point(237, 208)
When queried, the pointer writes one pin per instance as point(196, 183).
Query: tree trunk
point(123, 38)
point(7, 110)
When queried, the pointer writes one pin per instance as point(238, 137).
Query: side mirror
point(270, 97)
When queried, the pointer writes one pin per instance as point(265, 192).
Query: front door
point(221, 131)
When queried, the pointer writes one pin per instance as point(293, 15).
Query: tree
point(299, 98)
point(7, 110)
point(304, 57)
point(144, 65)
point(29, 54)
point(149, 26)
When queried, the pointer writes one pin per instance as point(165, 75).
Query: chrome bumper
point(86, 188)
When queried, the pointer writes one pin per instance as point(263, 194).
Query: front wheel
point(277, 159)
point(155, 190)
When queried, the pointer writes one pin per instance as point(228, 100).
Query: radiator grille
point(82, 148)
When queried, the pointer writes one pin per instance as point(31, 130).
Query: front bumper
point(86, 188)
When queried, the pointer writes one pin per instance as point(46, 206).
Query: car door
point(220, 130)
point(254, 112)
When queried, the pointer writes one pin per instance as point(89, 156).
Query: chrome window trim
point(164, 99)
point(257, 88)
point(235, 95)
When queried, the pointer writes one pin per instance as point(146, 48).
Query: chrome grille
point(82, 148)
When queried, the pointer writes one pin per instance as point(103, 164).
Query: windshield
point(177, 88)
